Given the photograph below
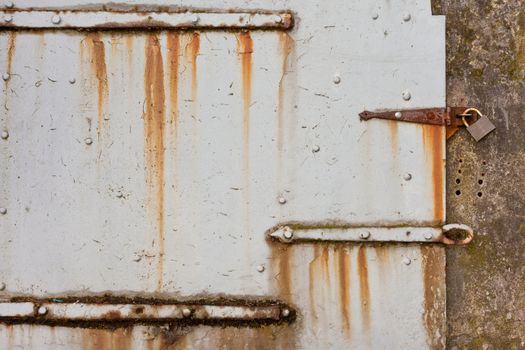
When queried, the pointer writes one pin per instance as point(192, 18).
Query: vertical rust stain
point(10, 51)
point(325, 255)
point(286, 44)
point(392, 128)
point(97, 339)
point(433, 142)
point(364, 290)
point(154, 140)
point(98, 65)
point(173, 61)
point(344, 287)
point(281, 269)
point(433, 262)
point(192, 52)
point(313, 283)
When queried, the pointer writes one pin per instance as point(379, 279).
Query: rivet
point(398, 115)
point(365, 235)
point(285, 312)
point(2, 286)
point(42, 310)
point(337, 79)
point(316, 148)
point(288, 233)
point(375, 16)
point(186, 312)
point(195, 19)
point(6, 76)
point(406, 95)
point(428, 236)
point(282, 200)
point(407, 261)
point(260, 268)
point(88, 140)
point(408, 233)
point(407, 17)
point(277, 19)
point(3, 211)
point(72, 80)
point(407, 177)
point(9, 4)
point(4, 135)
point(56, 19)
point(8, 18)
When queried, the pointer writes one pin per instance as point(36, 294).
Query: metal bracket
point(65, 19)
point(449, 116)
point(90, 312)
point(287, 234)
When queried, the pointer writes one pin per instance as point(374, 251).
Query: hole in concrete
point(458, 192)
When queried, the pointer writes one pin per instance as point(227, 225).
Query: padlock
point(479, 129)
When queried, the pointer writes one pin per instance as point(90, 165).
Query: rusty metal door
point(196, 175)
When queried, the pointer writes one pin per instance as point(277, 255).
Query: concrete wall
point(486, 181)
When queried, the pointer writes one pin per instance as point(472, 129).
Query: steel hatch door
point(154, 164)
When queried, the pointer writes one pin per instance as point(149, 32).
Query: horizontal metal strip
point(85, 313)
point(142, 20)
point(287, 234)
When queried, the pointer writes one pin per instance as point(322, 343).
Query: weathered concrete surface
point(486, 181)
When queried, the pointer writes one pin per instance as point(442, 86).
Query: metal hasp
point(449, 116)
point(75, 312)
point(134, 20)
point(288, 234)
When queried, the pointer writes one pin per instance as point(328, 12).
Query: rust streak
point(95, 339)
point(364, 290)
point(282, 270)
point(98, 65)
point(434, 308)
point(325, 255)
point(192, 50)
point(392, 128)
point(433, 142)
point(312, 278)
point(173, 60)
point(154, 140)
point(11, 51)
point(344, 287)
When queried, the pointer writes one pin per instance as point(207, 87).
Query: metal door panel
point(196, 137)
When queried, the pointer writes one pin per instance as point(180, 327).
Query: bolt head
point(88, 141)
point(186, 312)
point(398, 115)
point(337, 79)
point(407, 17)
point(365, 235)
point(6, 76)
point(406, 95)
point(56, 19)
point(8, 18)
point(316, 148)
point(9, 4)
point(288, 233)
point(4, 135)
point(428, 236)
point(260, 268)
point(2, 286)
point(285, 312)
point(3, 211)
point(72, 80)
point(277, 19)
point(282, 200)
point(407, 261)
point(375, 16)
point(407, 177)
point(195, 19)
point(42, 310)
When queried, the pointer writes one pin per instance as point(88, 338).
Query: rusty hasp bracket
point(449, 116)
point(89, 313)
point(66, 19)
point(287, 234)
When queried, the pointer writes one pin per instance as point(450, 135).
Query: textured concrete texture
point(486, 180)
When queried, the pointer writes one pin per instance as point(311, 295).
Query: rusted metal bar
point(144, 20)
point(449, 116)
point(47, 311)
point(287, 234)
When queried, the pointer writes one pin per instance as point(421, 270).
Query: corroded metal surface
point(154, 162)
point(486, 186)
